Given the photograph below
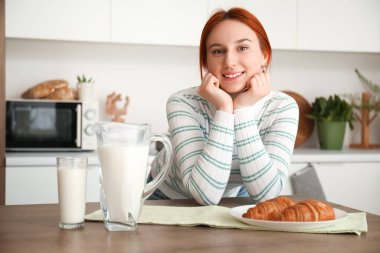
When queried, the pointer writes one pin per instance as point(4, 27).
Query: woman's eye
point(217, 51)
point(243, 48)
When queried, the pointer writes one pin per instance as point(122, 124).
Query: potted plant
point(331, 116)
point(85, 88)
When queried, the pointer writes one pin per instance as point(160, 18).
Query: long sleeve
point(264, 155)
point(202, 156)
point(216, 152)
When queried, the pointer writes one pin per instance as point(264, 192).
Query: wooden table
point(34, 228)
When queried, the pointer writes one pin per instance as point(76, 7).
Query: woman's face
point(233, 55)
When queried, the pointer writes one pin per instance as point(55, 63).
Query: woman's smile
point(231, 76)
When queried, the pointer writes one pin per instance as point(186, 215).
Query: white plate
point(237, 212)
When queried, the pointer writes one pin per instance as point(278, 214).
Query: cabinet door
point(167, 22)
point(84, 20)
point(339, 25)
point(93, 186)
point(31, 185)
point(355, 185)
point(279, 18)
point(38, 185)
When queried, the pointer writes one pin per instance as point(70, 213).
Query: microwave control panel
point(90, 116)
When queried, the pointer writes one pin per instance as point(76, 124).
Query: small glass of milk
point(71, 175)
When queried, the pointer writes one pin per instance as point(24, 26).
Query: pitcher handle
point(152, 185)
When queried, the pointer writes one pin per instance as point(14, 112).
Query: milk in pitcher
point(124, 169)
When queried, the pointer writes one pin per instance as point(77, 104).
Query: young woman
point(231, 135)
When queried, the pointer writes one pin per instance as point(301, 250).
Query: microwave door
point(46, 126)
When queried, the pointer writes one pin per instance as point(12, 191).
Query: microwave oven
point(51, 125)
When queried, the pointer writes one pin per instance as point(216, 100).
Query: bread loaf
point(64, 93)
point(44, 89)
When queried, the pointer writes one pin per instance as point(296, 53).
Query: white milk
point(124, 169)
point(72, 194)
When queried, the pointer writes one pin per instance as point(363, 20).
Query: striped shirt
point(215, 152)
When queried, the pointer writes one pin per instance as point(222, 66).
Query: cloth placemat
point(220, 217)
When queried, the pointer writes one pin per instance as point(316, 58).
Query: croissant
point(308, 210)
point(270, 209)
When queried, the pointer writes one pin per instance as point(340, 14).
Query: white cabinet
point(356, 185)
point(166, 22)
point(339, 25)
point(279, 18)
point(30, 185)
point(84, 20)
point(38, 185)
point(31, 178)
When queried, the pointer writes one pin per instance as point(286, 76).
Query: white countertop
point(313, 155)
point(34, 159)
point(304, 155)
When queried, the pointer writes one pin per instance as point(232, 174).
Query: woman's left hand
point(257, 87)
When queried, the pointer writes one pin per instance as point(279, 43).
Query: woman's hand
point(209, 90)
point(257, 87)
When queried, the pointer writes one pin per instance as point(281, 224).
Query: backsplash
point(150, 74)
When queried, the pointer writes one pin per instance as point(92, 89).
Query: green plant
point(375, 88)
point(83, 79)
point(332, 109)
point(373, 104)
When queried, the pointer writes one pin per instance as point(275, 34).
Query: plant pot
point(331, 134)
point(86, 91)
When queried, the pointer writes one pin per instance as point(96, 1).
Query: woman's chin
point(234, 90)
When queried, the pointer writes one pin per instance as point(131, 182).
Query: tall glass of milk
point(123, 151)
point(71, 175)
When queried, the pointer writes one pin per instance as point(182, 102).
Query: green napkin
point(220, 217)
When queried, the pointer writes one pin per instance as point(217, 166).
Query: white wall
point(149, 74)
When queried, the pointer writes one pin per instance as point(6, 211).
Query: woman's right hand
point(209, 90)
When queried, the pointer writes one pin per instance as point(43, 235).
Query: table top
point(34, 228)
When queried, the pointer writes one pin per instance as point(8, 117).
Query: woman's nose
point(230, 59)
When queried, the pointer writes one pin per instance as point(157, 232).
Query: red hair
point(242, 16)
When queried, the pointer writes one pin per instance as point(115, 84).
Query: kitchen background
point(150, 73)
point(148, 50)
